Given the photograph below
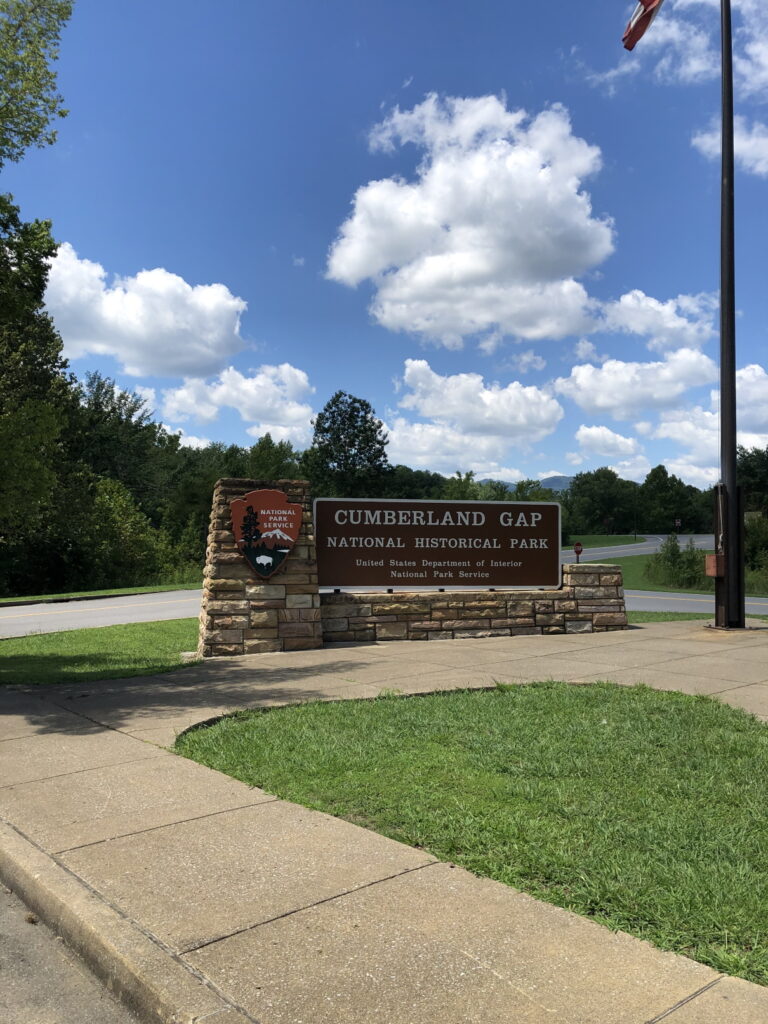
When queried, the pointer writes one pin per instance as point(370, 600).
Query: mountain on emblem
point(266, 527)
point(277, 533)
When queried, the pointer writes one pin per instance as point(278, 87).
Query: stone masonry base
point(591, 600)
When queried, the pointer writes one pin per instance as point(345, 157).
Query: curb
point(144, 975)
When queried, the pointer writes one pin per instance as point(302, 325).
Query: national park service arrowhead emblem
point(266, 527)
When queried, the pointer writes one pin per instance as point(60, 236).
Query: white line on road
point(68, 611)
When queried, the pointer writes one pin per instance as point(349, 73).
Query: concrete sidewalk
point(197, 898)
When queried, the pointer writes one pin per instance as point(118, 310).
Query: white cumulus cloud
point(604, 441)
point(585, 351)
point(697, 430)
point(442, 448)
point(750, 145)
point(153, 324)
point(527, 361)
point(684, 322)
point(190, 441)
point(752, 398)
point(624, 389)
point(271, 400)
point(464, 401)
point(636, 468)
point(492, 233)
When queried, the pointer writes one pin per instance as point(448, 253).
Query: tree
point(752, 472)
point(270, 460)
point(601, 502)
point(494, 490)
point(189, 489)
point(112, 432)
point(36, 392)
point(461, 487)
point(664, 498)
point(29, 103)
point(531, 490)
point(123, 549)
point(348, 455)
point(403, 482)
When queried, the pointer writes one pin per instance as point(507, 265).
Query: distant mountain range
point(554, 483)
point(557, 483)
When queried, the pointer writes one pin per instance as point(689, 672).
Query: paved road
point(649, 546)
point(43, 982)
point(651, 601)
point(21, 620)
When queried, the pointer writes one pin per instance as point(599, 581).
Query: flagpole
point(729, 588)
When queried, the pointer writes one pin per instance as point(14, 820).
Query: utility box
point(714, 565)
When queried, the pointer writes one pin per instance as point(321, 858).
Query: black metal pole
point(729, 589)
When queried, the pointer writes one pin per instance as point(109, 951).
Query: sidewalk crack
point(683, 1002)
point(308, 906)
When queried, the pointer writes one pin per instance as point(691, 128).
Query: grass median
point(642, 809)
point(106, 652)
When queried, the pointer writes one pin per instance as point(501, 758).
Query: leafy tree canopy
point(35, 390)
point(29, 102)
point(113, 433)
point(752, 472)
point(348, 455)
point(272, 460)
point(531, 490)
point(601, 502)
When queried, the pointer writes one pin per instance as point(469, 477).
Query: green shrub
point(673, 567)
point(756, 543)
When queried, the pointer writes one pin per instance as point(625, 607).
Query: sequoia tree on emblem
point(266, 527)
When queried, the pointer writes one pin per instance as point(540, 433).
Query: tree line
point(96, 493)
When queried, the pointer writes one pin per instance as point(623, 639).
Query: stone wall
point(242, 614)
point(591, 600)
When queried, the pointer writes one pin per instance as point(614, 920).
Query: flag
point(640, 21)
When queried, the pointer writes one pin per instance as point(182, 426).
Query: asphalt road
point(22, 620)
point(43, 981)
point(649, 546)
point(650, 601)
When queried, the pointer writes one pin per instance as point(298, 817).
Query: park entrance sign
point(280, 578)
point(428, 544)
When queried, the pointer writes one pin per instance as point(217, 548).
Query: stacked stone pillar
point(243, 614)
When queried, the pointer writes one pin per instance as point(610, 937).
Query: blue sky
point(487, 219)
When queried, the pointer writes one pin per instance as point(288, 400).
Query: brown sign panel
point(266, 527)
point(420, 544)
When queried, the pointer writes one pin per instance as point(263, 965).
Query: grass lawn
point(105, 593)
point(597, 540)
point(107, 652)
point(644, 810)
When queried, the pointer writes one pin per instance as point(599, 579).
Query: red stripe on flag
point(640, 22)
